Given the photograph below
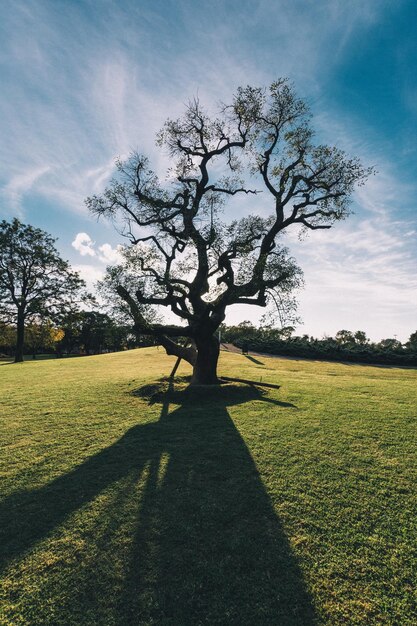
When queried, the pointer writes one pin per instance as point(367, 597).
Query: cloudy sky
point(85, 81)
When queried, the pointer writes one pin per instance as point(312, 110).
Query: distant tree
point(287, 331)
point(348, 338)
point(246, 326)
point(360, 338)
point(7, 337)
point(412, 341)
point(243, 330)
point(121, 337)
point(117, 308)
point(186, 258)
point(98, 332)
point(390, 344)
point(345, 337)
point(275, 341)
point(42, 336)
point(35, 282)
point(71, 326)
point(95, 331)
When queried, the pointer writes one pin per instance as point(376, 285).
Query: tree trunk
point(20, 339)
point(205, 367)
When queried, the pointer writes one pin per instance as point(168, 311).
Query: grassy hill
point(125, 502)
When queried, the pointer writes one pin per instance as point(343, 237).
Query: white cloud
point(104, 253)
point(84, 244)
point(109, 255)
point(90, 273)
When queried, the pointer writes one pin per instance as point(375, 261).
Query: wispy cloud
point(83, 93)
point(19, 185)
point(362, 273)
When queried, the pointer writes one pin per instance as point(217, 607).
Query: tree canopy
point(35, 282)
point(187, 254)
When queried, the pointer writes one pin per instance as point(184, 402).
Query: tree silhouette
point(183, 255)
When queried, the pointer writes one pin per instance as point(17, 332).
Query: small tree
point(34, 281)
point(7, 337)
point(345, 338)
point(390, 344)
point(71, 326)
point(189, 260)
point(96, 331)
point(412, 341)
point(42, 335)
point(360, 338)
point(348, 338)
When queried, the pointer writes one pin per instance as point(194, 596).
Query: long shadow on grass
point(252, 358)
point(205, 545)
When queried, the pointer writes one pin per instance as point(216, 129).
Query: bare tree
point(183, 256)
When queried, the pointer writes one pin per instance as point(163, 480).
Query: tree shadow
point(206, 546)
point(253, 383)
point(252, 358)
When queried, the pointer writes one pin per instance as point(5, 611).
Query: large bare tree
point(184, 254)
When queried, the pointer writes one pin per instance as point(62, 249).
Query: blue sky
point(86, 81)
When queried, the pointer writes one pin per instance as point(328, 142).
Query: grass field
point(125, 502)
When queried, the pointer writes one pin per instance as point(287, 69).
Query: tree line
point(80, 333)
point(344, 346)
point(44, 304)
point(45, 308)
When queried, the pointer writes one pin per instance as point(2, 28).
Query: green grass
point(124, 502)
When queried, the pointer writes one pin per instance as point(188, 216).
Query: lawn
point(127, 502)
